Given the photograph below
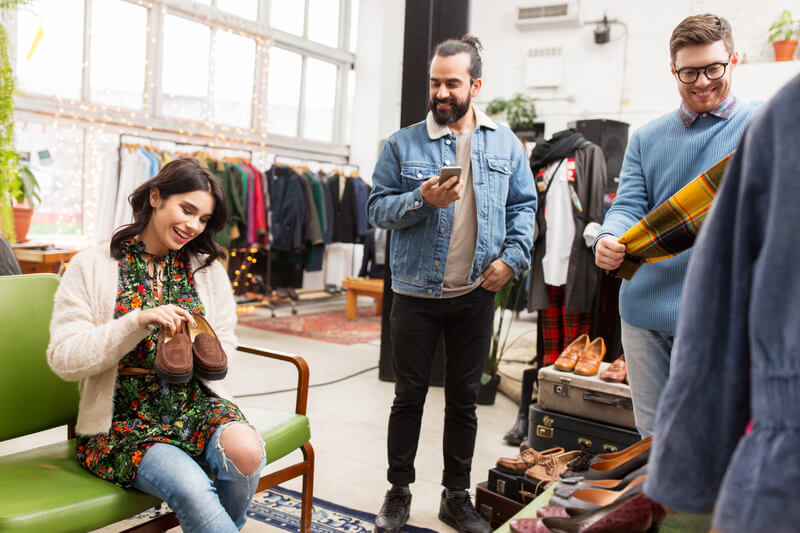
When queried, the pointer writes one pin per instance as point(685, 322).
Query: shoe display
point(174, 362)
point(634, 513)
point(525, 460)
point(591, 499)
point(458, 512)
point(570, 485)
point(550, 467)
point(210, 361)
point(620, 465)
point(394, 511)
point(519, 431)
point(569, 357)
point(615, 372)
point(588, 363)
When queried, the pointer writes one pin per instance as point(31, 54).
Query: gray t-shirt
point(461, 250)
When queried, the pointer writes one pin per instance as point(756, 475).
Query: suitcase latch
point(544, 432)
point(585, 443)
point(500, 485)
point(609, 448)
point(561, 389)
point(486, 512)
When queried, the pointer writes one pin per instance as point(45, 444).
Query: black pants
point(417, 324)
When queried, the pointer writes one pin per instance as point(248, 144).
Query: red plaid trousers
point(559, 328)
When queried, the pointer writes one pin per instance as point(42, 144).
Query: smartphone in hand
point(448, 172)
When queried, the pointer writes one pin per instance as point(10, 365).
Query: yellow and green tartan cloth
point(671, 227)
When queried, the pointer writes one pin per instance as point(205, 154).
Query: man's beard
point(456, 111)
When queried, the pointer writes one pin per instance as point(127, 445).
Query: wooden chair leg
point(308, 489)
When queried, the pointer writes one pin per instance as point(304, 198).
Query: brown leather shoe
point(525, 460)
point(615, 371)
point(210, 361)
point(174, 355)
point(550, 467)
point(589, 362)
point(566, 361)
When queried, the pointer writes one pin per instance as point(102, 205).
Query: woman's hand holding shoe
point(169, 315)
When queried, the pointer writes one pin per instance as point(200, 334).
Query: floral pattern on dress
point(147, 409)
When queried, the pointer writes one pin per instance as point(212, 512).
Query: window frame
point(150, 117)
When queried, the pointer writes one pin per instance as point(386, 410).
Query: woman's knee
point(242, 445)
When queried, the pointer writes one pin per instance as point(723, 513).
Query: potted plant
point(781, 33)
point(490, 379)
point(22, 194)
point(520, 113)
point(15, 184)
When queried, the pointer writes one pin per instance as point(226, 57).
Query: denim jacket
point(504, 195)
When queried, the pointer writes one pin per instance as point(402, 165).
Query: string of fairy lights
point(85, 163)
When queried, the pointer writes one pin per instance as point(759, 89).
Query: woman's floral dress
point(146, 409)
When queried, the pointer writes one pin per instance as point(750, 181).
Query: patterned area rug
point(280, 508)
point(330, 326)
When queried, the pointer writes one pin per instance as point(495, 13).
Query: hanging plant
point(10, 184)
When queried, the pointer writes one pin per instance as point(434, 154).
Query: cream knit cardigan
point(87, 343)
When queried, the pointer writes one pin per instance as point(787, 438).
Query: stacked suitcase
point(575, 411)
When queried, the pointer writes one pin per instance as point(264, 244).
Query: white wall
point(379, 69)
point(593, 74)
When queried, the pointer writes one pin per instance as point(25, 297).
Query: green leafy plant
point(520, 111)
point(784, 28)
point(12, 180)
point(499, 341)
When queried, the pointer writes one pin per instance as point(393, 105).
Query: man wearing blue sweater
point(663, 156)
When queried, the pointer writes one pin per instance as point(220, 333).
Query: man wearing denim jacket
point(453, 245)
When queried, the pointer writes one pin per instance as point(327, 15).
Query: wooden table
point(362, 287)
point(42, 258)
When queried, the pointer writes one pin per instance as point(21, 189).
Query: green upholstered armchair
point(43, 488)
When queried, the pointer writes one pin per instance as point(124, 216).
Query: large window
point(260, 74)
point(118, 55)
point(50, 48)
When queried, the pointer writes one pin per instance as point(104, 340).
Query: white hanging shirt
point(560, 225)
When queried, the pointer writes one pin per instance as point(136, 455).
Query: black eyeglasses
point(714, 71)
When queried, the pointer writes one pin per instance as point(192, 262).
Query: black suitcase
point(495, 508)
point(518, 487)
point(548, 429)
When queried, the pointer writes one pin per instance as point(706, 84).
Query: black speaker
point(612, 137)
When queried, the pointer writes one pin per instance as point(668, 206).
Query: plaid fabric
point(558, 327)
point(671, 227)
point(723, 110)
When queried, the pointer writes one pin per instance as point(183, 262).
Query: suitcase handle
point(624, 403)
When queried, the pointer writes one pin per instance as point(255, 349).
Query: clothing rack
point(181, 143)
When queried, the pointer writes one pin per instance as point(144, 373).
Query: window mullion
point(340, 103)
point(344, 24)
point(212, 72)
point(87, 50)
point(301, 107)
point(155, 53)
point(257, 117)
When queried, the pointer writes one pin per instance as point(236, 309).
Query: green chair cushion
point(44, 489)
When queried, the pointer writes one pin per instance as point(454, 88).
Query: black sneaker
point(459, 513)
point(394, 511)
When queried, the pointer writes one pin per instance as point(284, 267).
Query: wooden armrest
point(298, 362)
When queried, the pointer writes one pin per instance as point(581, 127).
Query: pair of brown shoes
point(581, 356)
point(525, 460)
point(192, 350)
point(616, 371)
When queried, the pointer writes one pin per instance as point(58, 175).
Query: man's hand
point(443, 195)
point(609, 253)
point(496, 275)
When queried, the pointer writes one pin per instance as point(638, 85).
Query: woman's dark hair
point(700, 29)
point(177, 177)
point(468, 44)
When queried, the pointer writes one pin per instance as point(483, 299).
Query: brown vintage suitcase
point(586, 397)
point(495, 508)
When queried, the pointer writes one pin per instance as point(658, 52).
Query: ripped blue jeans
point(217, 506)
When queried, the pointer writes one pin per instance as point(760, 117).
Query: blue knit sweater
point(663, 156)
